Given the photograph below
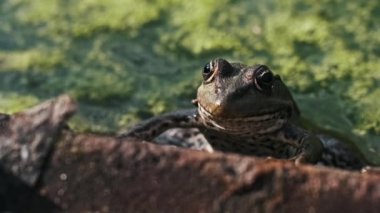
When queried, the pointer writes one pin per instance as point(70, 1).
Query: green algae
point(128, 60)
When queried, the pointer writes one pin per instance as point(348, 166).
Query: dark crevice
point(16, 196)
point(50, 153)
point(261, 183)
point(259, 193)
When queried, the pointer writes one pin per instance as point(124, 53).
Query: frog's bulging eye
point(207, 72)
point(263, 78)
point(266, 77)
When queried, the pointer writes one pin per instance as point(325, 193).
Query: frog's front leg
point(153, 127)
point(309, 147)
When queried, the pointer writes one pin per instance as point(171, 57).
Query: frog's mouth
point(252, 125)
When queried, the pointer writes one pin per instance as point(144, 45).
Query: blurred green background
point(126, 60)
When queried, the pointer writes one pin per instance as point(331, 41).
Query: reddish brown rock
point(94, 173)
point(26, 138)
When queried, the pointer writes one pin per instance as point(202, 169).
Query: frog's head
point(234, 90)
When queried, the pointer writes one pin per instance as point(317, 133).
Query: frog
point(247, 110)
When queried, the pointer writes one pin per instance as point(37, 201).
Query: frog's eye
point(207, 71)
point(263, 78)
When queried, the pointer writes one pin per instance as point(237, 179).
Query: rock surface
point(100, 173)
point(91, 173)
point(27, 138)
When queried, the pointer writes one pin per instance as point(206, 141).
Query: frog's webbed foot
point(153, 127)
point(311, 150)
point(309, 147)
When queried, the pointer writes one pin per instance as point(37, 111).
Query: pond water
point(128, 60)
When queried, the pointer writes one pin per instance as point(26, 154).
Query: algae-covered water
point(126, 60)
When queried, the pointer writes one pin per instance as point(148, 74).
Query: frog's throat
point(252, 125)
